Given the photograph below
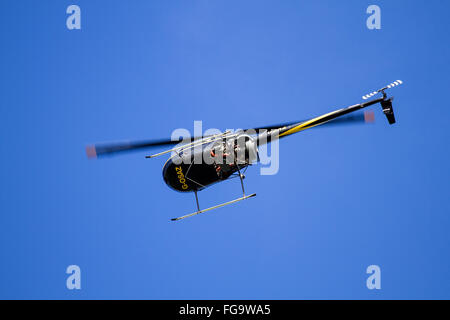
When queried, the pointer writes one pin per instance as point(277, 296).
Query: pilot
point(223, 170)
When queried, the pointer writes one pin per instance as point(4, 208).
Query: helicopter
point(203, 161)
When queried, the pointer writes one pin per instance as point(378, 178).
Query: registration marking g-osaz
point(181, 178)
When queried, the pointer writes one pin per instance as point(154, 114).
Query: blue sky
point(344, 198)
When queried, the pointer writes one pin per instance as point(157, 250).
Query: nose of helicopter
point(174, 175)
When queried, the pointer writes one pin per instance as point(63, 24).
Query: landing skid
point(244, 197)
point(214, 207)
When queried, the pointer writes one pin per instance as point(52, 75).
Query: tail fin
point(388, 110)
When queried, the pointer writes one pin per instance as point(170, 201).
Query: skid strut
point(244, 197)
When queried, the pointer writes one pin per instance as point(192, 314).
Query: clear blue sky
point(344, 198)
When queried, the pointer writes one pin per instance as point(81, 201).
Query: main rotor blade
point(367, 116)
point(356, 118)
point(104, 149)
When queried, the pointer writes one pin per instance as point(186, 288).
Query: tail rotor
point(391, 85)
point(386, 103)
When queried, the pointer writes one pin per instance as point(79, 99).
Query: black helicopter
point(203, 161)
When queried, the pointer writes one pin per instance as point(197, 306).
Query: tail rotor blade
point(389, 86)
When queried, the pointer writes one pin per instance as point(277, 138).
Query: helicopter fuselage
point(194, 169)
